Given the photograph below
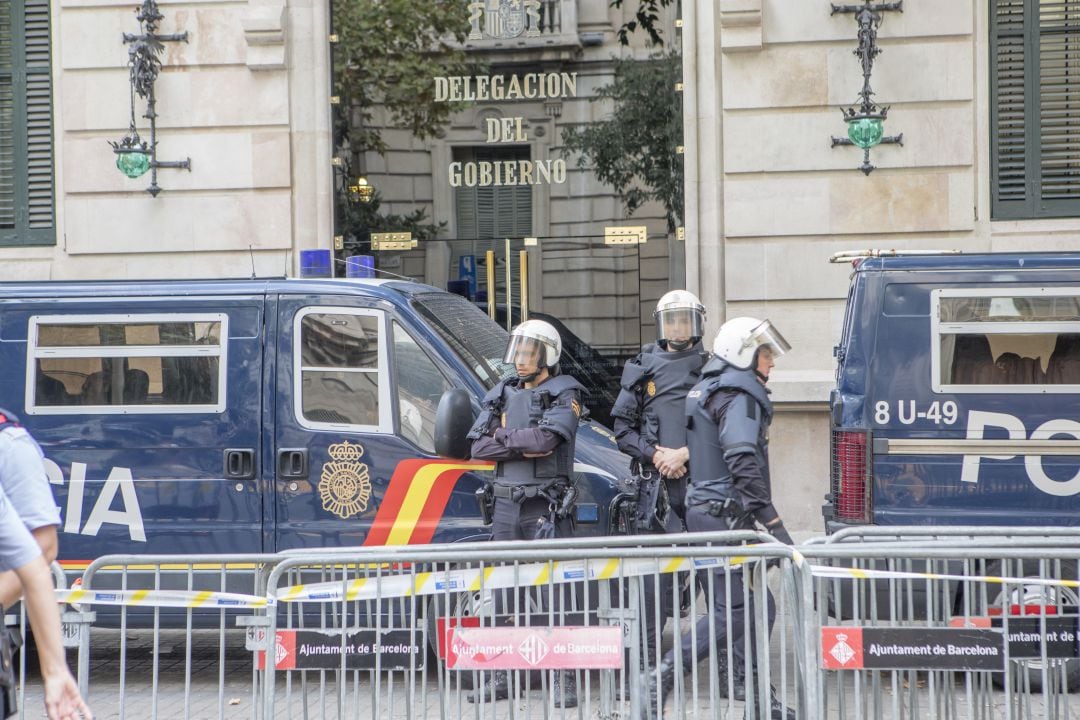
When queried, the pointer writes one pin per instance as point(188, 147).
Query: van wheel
point(1028, 674)
point(479, 604)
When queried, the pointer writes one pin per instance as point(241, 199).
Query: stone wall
point(259, 185)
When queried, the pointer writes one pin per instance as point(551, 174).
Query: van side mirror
point(453, 420)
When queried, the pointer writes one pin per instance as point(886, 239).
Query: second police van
point(255, 416)
point(957, 402)
point(958, 383)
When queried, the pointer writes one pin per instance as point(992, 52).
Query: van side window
point(339, 368)
point(1030, 337)
point(129, 364)
point(420, 384)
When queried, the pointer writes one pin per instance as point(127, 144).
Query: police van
point(255, 416)
point(957, 402)
point(958, 383)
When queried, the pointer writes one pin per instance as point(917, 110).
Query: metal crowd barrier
point(897, 623)
point(533, 618)
point(927, 627)
point(150, 629)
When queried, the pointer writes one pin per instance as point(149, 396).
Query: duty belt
point(730, 510)
point(521, 493)
point(718, 508)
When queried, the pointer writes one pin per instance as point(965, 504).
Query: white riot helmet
point(679, 314)
point(738, 341)
point(538, 337)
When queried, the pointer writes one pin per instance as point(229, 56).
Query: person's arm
point(527, 441)
point(487, 447)
point(62, 698)
point(627, 420)
point(740, 430)
point(627, 412)
point(747, 470)
point(21, 464)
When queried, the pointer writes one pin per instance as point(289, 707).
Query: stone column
point(703, 159)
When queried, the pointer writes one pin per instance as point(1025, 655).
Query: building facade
point(982, 91)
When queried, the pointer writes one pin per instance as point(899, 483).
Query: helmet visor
point(679, 324)
point(525, 350)
point(765, 335)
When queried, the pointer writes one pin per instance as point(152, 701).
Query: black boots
point(653, 691)
point(497, 687)
point(776, 711)
point(658, 684)
point(564, 689)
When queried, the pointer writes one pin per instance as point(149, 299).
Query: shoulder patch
point(752, 409)
point(576, 407)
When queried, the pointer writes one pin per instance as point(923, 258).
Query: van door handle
point(292, 463)
point(239, 463)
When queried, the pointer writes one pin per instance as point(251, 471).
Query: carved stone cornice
point(740, 25)
point(264, 30)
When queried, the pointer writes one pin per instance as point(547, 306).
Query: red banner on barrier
point(534, 648)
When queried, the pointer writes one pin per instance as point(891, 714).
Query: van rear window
point(127, 364)
point(989, 340)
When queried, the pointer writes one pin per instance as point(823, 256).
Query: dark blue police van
point(248, 416)
point(957, 402)
point(958, 387)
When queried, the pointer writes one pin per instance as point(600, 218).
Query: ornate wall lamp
point(134, 156)
point(360, 190)
point(866, 123)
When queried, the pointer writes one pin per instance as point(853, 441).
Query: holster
point(734, 517)
point(652, 504)
point(485, 499)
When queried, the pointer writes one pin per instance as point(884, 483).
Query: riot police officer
point(528, 426)
point(650, 422)
point(728, 414)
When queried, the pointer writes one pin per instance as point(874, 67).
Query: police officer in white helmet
point(528, 425)
point(728, 415)
point(649, 413)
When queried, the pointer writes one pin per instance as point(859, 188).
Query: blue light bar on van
point(316, 263)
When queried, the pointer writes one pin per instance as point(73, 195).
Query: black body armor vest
point(549, 406)
point(745, 424)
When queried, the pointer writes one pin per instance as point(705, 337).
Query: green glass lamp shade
point(133, 164)
point(866, 132)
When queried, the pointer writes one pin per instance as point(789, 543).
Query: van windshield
point(469, 331)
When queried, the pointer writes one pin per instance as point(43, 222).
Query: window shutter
point(1008, 137)
point(1035, 108)
point(7, 119)
point(1059, 107)
point(26, 142)
point(487, 215)
point(493, 212)
point(39, 141)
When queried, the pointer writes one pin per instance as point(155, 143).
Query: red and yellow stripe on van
point(416, 499)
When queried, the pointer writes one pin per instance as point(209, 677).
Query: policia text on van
point(259, 415)
point(957, 385)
